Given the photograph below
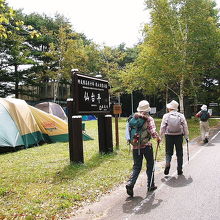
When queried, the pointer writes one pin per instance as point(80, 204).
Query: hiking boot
point(166, 171)
point(130, 190)
point(152, 188)
point(179, 172)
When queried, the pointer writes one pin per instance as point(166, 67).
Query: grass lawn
point(40, 183)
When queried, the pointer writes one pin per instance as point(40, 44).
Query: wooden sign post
point(90, 96)
point(116, 111)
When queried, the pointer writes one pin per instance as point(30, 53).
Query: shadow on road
point(138, 205)
point(179, 181)
point(210, 144)
point(131, 203)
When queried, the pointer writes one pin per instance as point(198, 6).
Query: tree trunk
point(195, 103)
point(166, 97)
point(16, 81)
point(181, 96)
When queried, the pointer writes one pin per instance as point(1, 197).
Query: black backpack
point(204, 115)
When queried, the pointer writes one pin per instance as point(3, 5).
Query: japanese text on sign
point(92, 93)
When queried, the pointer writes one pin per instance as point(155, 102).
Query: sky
point(106, 22)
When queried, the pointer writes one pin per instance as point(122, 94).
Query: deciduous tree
point(181, 44)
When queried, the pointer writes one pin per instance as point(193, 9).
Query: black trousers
point(177, 141)
point(138, 155)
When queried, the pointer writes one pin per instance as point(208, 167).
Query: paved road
point(192, 196)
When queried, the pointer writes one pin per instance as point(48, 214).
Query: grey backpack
point(174, 124)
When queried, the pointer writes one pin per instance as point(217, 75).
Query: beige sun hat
point(143, 106)
point(173, 105)
point(204, 107)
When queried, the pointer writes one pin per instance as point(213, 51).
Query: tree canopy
point(181, 44)
point(179, 54)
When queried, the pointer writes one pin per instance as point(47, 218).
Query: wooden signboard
point(117, 109)
point(90, 95)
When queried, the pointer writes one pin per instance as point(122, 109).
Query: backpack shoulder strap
point(168, 116)
point(130, 117)
point(174, 114)
point(180, 116)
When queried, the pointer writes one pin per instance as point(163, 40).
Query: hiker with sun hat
point(139, 130)
point(204, 116)
point(174, 127)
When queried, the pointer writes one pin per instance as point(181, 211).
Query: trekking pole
point(155, 159)
point(129, 147)
point(187, 145)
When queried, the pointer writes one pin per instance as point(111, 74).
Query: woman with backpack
point(204, 115)
point(139, 130)
point(174, 127)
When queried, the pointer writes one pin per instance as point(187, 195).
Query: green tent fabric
point(53, 127)
point(23, 125)
point(22, 117)
point(9, 133)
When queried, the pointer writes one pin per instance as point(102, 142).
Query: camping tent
point(52, 108)
point(24, 125)
point(9, 134)
point(88, 117)
point(19, 112)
